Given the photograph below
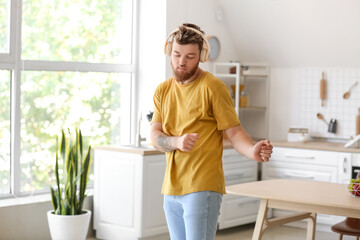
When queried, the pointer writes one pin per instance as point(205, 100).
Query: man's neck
point(198, 72)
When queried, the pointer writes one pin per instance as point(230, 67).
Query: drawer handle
point(292, 175)
point(344, 164)
point(302, 157)
point(234, 176)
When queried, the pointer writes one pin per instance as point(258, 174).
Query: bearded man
point(192, 112)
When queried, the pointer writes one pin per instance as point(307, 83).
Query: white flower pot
point(69, 227)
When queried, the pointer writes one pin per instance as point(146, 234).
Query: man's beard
point(183, 76)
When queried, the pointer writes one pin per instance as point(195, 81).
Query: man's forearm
point(240, 140)
point(164, 143)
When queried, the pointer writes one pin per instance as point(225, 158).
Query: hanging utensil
point(347, 94)
point(332, 126)
point(323, 90)
point(321, 117)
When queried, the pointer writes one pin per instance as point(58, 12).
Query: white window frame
point(16, 65)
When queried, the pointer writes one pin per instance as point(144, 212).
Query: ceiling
point(295, 33)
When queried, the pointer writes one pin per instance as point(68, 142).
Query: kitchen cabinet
point(253, 80)
point(127, 195)
point(295, 163)
point(238, 210)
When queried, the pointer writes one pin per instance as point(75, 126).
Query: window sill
point(34, 199)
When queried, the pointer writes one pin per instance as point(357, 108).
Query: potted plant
point(68, 220)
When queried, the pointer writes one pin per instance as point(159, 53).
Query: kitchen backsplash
point(338, 81)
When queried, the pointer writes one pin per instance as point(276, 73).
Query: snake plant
point(69, 193)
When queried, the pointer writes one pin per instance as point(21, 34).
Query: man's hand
point(262, 151)
point(187, 141)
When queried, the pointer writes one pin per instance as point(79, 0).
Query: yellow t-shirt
point(203, 106)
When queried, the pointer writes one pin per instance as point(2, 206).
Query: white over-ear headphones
point(205, 51)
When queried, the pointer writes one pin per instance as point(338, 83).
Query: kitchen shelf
point(253, 108)
point(255, 78)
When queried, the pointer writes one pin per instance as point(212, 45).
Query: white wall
point(296, 33)
point(29, 221)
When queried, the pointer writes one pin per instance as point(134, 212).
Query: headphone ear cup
point(168, 47)
point(204, 55)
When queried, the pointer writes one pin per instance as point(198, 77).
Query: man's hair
point(186, 36)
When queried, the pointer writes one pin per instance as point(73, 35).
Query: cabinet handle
point(234, 176)
point(344, 164)
point(292, 175)
point(302, 157)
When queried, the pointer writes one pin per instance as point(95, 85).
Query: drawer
point(300, 171)
point(236, 210)
point(240, 175)
point(305, 156)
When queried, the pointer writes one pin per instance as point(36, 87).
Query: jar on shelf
point(243, 99)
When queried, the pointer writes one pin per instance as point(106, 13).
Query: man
point(192, 111)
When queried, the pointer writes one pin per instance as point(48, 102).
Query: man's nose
point(182, 60)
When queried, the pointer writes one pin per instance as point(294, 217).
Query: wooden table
point(306, 197)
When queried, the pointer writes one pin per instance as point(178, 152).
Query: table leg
point(260, 220)
point(311, 227)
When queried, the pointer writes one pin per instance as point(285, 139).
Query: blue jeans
point(192, 216)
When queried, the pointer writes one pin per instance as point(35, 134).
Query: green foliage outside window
point(54, 100)
point(76, 30)
point(97, 31)
point(3, 25)
point(4, 132)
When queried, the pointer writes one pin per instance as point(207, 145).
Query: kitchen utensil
point(323, 90)
point(332, 126)
point(320, 116)
point(347, 94)
point(149, 116)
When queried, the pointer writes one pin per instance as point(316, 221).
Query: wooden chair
point(350, 226)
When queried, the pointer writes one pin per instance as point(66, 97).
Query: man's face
point(184, 60)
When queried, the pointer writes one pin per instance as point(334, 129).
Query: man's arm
point(166, 143)
point(243, 144)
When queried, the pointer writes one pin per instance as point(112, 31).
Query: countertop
point(311, 145)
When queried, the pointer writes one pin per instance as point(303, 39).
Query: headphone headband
point(204, 54)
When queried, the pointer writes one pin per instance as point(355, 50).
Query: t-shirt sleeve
point(157, 105)
point(224, 109)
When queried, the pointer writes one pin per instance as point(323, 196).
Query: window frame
point(16, 65)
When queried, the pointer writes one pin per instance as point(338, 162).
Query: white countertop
point(313, 145)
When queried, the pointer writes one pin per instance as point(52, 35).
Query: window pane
point(97, 103)
point(4, 132)
point(81, 30)
point(4, 26)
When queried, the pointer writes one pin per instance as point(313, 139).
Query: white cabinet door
point(116, 194)
point(153, 220)
point(238, 210)
point(127, 196)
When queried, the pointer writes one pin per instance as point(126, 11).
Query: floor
point(276, 233)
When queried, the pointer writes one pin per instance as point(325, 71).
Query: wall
point(292, 36)
point(29, 221)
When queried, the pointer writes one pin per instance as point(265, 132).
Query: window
point(67, 99)
point(75, 69)
point(4, 25)
point(77, 30)
point(4, 132)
